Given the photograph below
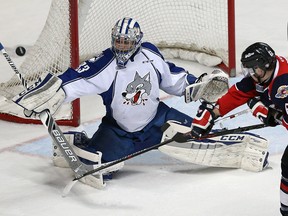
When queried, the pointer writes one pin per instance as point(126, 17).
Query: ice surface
point(151, 184)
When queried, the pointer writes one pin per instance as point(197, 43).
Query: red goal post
point(197, 30)
point(56, 49)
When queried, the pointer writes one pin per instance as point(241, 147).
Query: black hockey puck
point(20, 51)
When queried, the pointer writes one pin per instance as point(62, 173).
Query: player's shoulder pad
point(103, 58)
point(246, 84)
point(152, 48)
point(281, 78)
point(97, 63)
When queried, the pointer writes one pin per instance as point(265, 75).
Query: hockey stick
point(178, 137)
point(53, 129)
point(13, 66)
point(233, 115)
point(186, 137)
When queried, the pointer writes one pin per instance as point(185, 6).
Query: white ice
point(151, 184)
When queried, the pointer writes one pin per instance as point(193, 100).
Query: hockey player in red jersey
point(265, 89)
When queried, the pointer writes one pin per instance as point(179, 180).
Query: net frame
point(73, 118)
point(77, 56)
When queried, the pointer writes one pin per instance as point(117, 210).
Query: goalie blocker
point(241, 150)
point(45, 94)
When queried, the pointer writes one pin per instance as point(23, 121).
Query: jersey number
point(83, 67)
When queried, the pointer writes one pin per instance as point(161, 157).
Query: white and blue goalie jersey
point(130, 94)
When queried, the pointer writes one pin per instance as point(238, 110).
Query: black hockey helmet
point(259, 55)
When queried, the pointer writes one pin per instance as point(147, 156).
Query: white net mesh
point(189, 25)
point(195, 25)
point(50, 53)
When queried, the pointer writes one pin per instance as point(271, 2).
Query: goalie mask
point(258, 55)
point(126, 39)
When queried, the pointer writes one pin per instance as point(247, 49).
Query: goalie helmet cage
point(186, 29)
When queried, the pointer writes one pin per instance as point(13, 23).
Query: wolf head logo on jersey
point(137, 91)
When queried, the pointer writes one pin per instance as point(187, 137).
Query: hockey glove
point(267, 115)
point(46, 94)
point(204, 120)
point(207, 87)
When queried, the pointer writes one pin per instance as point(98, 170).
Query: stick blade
point(68, 187)
point(95, 181)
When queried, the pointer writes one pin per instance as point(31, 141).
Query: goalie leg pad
point(170, 129)
point(255, 155)
point(245, 150)
point(76, 140)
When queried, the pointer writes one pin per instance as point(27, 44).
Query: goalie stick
point(186, 137)
point(178, 137)
point(54, 131)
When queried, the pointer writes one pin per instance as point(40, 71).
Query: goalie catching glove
point(267, 115)
point(208, 87)
point(204, 120)
point(46, 94)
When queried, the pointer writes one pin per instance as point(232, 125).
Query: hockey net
point(198, 30)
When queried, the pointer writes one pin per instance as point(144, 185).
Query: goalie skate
point(242, 150)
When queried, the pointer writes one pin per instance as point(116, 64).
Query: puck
point(20, 51)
